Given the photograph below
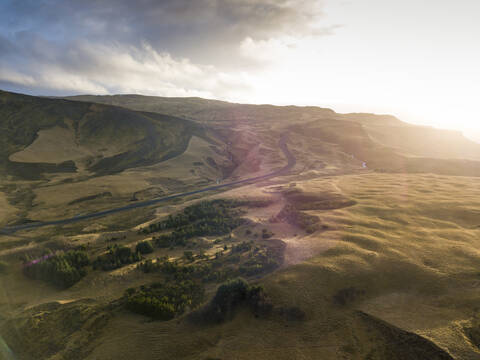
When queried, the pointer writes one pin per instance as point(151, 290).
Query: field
point(364, 251)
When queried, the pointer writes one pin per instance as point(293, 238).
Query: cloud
point(83, 67)
point(202, 30)
point(163, 47)
point(151, 19)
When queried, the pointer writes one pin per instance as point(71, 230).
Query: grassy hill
point(385, 130)
point(42, 135)
point(362, 263)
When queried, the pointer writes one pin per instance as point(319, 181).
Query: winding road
point(291, 161)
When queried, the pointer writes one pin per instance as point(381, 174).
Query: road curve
point(291, 161)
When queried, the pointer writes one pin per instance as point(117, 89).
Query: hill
point(366, 249)
point(386, 130)
point(42, 135)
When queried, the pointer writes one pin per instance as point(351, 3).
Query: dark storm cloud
point(75, 36)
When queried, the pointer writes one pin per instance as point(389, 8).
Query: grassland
point(380, 262)
point(412, 262)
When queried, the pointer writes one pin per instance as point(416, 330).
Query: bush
point(266, 234)
point(116, 257)
point(242, 247)
point(62, 270)
point(206, 218)
point(144, 247)
point(227, 298)
point(164, 301)
point(233, 294)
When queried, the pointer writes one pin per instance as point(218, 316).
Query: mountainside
point(386, 130)
point(41, 135)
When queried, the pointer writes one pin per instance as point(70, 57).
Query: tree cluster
point(164, 301)
point(233, 294)
point(116, 257)
point(206, 218)
point(61, 270)
point(144, 247)
point(200, 212)
point(206, 272)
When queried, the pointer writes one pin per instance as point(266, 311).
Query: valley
point(127, 220)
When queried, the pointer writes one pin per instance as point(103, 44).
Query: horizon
point(415, 61)
point(473, 137)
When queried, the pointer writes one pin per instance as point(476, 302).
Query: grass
point(407, 263)
point(394, 259)
point(118, 138)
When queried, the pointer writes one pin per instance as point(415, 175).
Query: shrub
point(233, 294)
point(228, 297)
point(144, 247)
point(206, 218)
point(266, 234)
point(62, 270)
point(242, 247)
point(116, 257)
point(164, 301)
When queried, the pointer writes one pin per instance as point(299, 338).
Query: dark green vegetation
point(164, 301)
point(184, 283)
point(204, 271)
point(144, 247)
point(262, 259)
point(61, 270)
point(206, 218)
point(244, 259)
point(138, 139)
point(116, 257)
point(234, 294)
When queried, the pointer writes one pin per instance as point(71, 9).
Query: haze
point(417, 60)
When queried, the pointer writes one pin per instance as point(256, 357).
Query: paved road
point(291, 161)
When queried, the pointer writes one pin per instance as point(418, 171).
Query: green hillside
point(102, 139)
point(385, 130)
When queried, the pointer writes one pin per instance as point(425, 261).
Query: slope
point(386, 130)
point(41, 135)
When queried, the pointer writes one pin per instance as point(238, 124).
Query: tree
point(144, 247)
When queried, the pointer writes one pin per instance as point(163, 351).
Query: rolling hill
point(368, 248)
point(386, 130)
point(42, 135)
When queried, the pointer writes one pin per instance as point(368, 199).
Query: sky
point(415, 59)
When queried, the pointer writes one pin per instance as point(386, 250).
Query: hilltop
point(387, 130)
